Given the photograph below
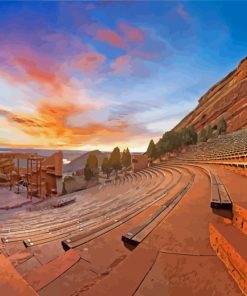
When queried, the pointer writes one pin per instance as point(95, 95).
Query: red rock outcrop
point(227, 98)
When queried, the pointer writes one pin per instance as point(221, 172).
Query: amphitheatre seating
point(229, 150)
point(102, 209)
point(64, 202)
point(89, 217)
point(227, 147)
point(143, 202)
point(138, 234)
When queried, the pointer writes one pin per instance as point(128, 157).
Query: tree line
point(208, 132)
point(115, 162)
point(173, 141)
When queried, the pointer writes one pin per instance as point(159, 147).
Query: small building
point(40, 176)
point(52, 172)
point(139, 162)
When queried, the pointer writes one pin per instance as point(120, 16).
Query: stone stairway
point(229, 241)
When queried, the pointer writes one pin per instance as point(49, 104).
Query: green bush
point(202, 135)
point(221, 126)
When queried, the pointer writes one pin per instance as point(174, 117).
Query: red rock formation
point(227, 98)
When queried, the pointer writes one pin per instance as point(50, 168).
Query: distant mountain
point(227, 98)
point(79, 162)
point(67, 154)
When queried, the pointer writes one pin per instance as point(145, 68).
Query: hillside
point(79, 162)
point(227, 98)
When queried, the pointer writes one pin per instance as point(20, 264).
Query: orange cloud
point(126, 33)
point(110, 37)
point(23, 65)
point(89, 62)
point(132, 33)
point(49, 126)
point(42, 72)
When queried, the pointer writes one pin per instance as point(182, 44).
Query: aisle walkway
point(186, 264)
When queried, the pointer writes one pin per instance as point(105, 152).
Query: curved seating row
point(83, 216)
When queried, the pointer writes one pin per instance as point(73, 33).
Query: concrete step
point(230, 245)
point(42, 276)
point(129, 274)
point(11, 282)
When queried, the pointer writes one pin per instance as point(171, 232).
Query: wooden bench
point(140, 232)
point(64, 202)
point(220, 198)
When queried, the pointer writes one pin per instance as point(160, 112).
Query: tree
point(189, 135)
point(126, 158)
point(160, 148)
point(91, 167)
point(193, 134)
point(202, 135)
point(115, 159)
point(92, 163)
point(154, 153)
point(123, 158)
point(106, 167)
point(150, 149)
point(221, 126)
point(171, 141)
point(88, 173)
point(209, 132)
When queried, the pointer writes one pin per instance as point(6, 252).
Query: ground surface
point(174, 259)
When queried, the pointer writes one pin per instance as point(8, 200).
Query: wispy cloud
point(181, 11)
point(109, 36)
point(131, 33)
point(50, 122)
point(89, 62)
point(122, 37)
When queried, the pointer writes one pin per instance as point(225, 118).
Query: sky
point(95, 75)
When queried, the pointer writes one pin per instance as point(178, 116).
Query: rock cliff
point(227, 98)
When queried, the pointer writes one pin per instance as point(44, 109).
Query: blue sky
point(86, 75)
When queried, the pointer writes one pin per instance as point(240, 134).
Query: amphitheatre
point(177, 227)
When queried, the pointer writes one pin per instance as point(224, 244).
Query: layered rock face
point(227, 98)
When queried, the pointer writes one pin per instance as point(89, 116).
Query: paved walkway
point(186, 264)
point(10, 199)
point(11, 283)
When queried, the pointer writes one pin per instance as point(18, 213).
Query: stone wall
point(139, 162)
point(230, 245)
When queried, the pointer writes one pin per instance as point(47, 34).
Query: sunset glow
point(96, 75)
